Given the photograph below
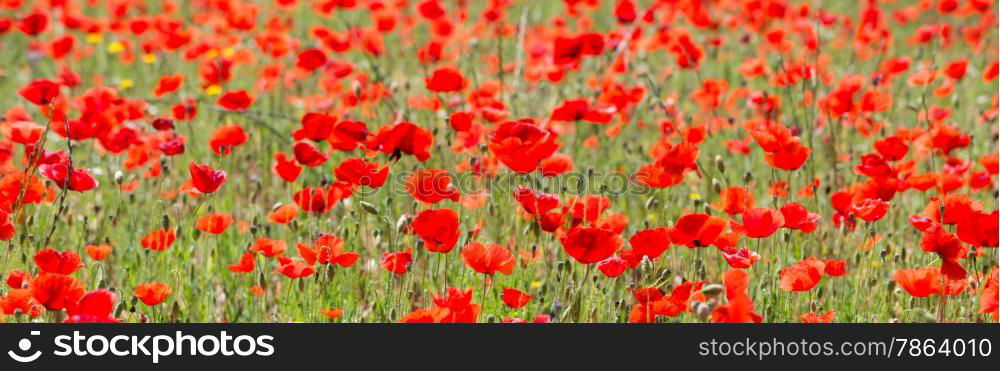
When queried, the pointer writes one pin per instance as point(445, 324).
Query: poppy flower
point(308, 155)
point(797, 217)
point(948, 247)
point(521, 145)
point(67, 177)
point(813, 317)
point(834, 268)
point(52, 261)
point(236, 101)
point(802, 276)
point(988, 300)
point(445, 80)
point(571, 50)
point(870, 209)
point(488, 259)
point(283, 214)
point(956, 207)
point(438, 229)
point(316, 127)
point(924, 282)
point(56, 291)
point(892, 148)
point(40, 92)
point(332, 313)
point(589, 245)
point(245, 265)
point(296, 269)
point(612, 267)
point(168, 84)
point(348, 135)
point(360, 173)
point(214, 223)
point(311, 59)
point(431, 186)
point(206, 179)
point(980, 229)
point(286, 168)
point(94, 307)
point(328, 249)
point(270, 248)
point(159, 240)
point(739, 307)
point(535, 202)
point(152, 293)
point(460, 121)
point(318, 200)
point(98, 252)
point(734, 200)
point(741, 258)
point(580, 110)
point(397, 262)
point(515, 299)
point(697, 230)
point(403, 138)
point(226, 138)
point(649, 243)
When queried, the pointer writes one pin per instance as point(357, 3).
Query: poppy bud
point(368, 207)
point(716, 186)
point(651, 202)
point(747, 177)
point(165, 221)
point(719, 164)
point(712, 290)
point(702, 310)
point(119, 177)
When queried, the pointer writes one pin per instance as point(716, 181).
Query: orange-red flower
point(488, 259)
point(589, 245)
point(214, 223)
point(159, 240)
point(152, 293)
point(438, 229)
point(52, 261)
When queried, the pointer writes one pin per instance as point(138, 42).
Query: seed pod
point(712, 290)
point(368, 207)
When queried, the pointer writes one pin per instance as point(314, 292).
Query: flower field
point(514, 161)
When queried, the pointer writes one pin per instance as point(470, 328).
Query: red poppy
point(697, 230)
point(834, 268)
point(206, 179)
point(521, 145)
point(589, 245)
point(739, 307)
point(892, 148)
point(649, 243)
point(870, 209)
point(283, 214)
point(734, 200)
point(980, 229)
point(98, 252)
point(214, 223)
point(316, 127)
point(570, 51)
point(332, 313)
point(360, 173)
point(227, 137)
point(579, 110)
point(460, 121)
point(458, 304)
point(403, 138)
point(270, 248)
point(328, 249)
point(612, 267)
point(159, 240)
point(40, 92)
point(741, 258)
point(168, 84)
point(69, 177)
point(94, 307)
point(295, 269)
point(445, 80)
point(52, 261)
point(56, 291)
point(535, 202)
point(235, 101)
point(286, 168)
point(431, 186)
point(307, 154)
point(488, 259)
point(245, 265)
point(348, 135)
point(802, 276)
point(152, 293)
point(311, 59)
point(813, 317)
point(948, 247)
point(798, 217)
point(924, 282)
point(438, 229)
point(515, 299)
point(318, 200)
point(397, 262)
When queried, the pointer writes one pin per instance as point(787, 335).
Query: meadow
point(498, 161)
